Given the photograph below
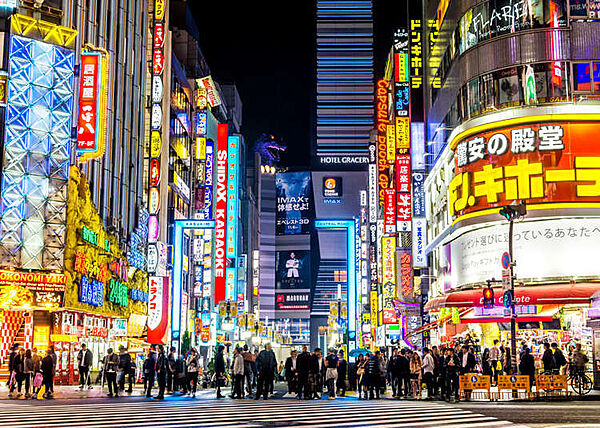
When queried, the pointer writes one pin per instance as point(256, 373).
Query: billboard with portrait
point(292, 269)
point(293, 190)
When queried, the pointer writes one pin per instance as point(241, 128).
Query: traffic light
point(513, 212)
point(488, 297)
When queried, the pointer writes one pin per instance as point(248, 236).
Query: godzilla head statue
point(270, 149)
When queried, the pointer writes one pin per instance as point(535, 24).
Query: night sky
point(268, 49)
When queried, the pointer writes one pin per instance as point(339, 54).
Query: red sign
point(88, 101)
point(154, 172)
point(158, 309)
point(35, 281)
point(221, 213)
point(158, 61)
point(540, 162)
point(159, 34)
point(390, 211)
point(403, 200)
point(382, 123)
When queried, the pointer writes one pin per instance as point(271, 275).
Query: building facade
point(512, 105)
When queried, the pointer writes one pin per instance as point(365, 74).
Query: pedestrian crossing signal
point(488, 298)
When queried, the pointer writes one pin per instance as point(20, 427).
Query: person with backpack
point(548, 359)
point(192, 372)
point(527, 365)
point(579, 359)
point(149, 368)
point(123, 368)
point(559, 358)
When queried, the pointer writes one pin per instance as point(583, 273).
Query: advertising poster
point(292, 301)
point(293, 269)
point(293, 192)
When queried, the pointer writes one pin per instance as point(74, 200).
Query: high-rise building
point(512, 111)
point(344, 83)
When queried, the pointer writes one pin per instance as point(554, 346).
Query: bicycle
point(579, 381)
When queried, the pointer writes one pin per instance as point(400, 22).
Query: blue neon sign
point(178, 228)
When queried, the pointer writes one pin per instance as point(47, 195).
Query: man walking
point(404, 385)
point(494, 358)
point(123, 368)
point(149, 371)
point(84, 362)
point(266, 364)
point(342, 372)
point(161, 372)
point(171, 378)
point(303, 367)
point(317, 368)
point(428, 369)
point(291, 373)
point(248, 363)
point(394, 372)
point(111, 361)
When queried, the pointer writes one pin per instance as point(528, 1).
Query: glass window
point(582, 77)
point(596, 76)
point(509, 89)
point(488, 93)
point(473, 97)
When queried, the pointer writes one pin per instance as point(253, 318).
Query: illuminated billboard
point(293, 193)
point(540, 162)
point(36, 154)
point(292, 269)
point(93, 98)
point(221, 214)
point(232, 194)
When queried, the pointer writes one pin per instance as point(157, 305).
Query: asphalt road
point(584, 414)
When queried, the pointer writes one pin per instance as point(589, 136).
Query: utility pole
point(512, 213)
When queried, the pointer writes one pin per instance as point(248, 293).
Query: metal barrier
point(552, 385)
point(516, 387)
point(474, 385)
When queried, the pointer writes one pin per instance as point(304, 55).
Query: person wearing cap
point(84, 362)
point(123, 368)
point(111, 362)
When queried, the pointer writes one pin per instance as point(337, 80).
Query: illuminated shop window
point(586, 77)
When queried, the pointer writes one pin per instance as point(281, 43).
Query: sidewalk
point(62, 392)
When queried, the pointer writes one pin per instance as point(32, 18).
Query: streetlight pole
point(511, 213)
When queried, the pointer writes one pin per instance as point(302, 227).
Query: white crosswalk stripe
point(178, 412)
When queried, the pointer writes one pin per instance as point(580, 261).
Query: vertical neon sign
point(221, 213)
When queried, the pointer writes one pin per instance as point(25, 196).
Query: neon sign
point(382, 128)
point(221, 214)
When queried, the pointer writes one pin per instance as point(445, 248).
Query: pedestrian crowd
point(308, 374)
point(28, 368)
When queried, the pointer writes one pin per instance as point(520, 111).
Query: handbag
point(37, 380)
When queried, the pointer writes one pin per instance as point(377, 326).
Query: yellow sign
point(200, 148)
point(333, 309)
point(402, 134)
point(155, 144)
point(41, 336)
point(344, 309)
point(474, 381)
point(159, 9)
point(391, 144)
point(64, 338)
point(513, 383)
point(374, 308)
point(222, 309)
point(551, 382)
point(388, 254)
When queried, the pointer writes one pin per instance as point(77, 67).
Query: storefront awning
point(553, 294)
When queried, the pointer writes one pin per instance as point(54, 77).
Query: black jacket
point(266, 363)
point(289, 371)
point(470, 366)
point(403, 365)
point(84, 358)
point(303, 363)
point(314, 366)
point(451, 369)
point(124, 362)
point(171, 361)
point(161, 364)
point(219, 363)
point(373, 369)
point(342, 369)
point(527, 364)
point(47, 365)
point(548, 360)
point(150, 363)
point(18, 364)
point(11, 360)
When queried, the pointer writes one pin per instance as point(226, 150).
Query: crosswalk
point(184, 412)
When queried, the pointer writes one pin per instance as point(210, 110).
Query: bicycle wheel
point(576, 385)
point(585, 384)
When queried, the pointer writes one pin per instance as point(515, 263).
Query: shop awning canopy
point(553, 294)
point(480, 315)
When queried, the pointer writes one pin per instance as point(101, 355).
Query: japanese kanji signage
point(388, 252)
point(403, 196)
point(221, 213)
point(406, 276)
point(389, 211)
point(93, 97)
point(382, 127)
point(540, 162)
point(560, 248)
point(158, 309)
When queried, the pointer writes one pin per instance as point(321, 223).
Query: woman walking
point(361, 364)
point(192, 372)
point(415, 374)
point(28, 372)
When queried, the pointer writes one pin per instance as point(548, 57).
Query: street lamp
point(511, 213)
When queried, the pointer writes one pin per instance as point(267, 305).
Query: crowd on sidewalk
point(308, 374)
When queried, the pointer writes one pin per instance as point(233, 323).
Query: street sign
point(505, 260)
point(507, 299)
point(505, 279)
